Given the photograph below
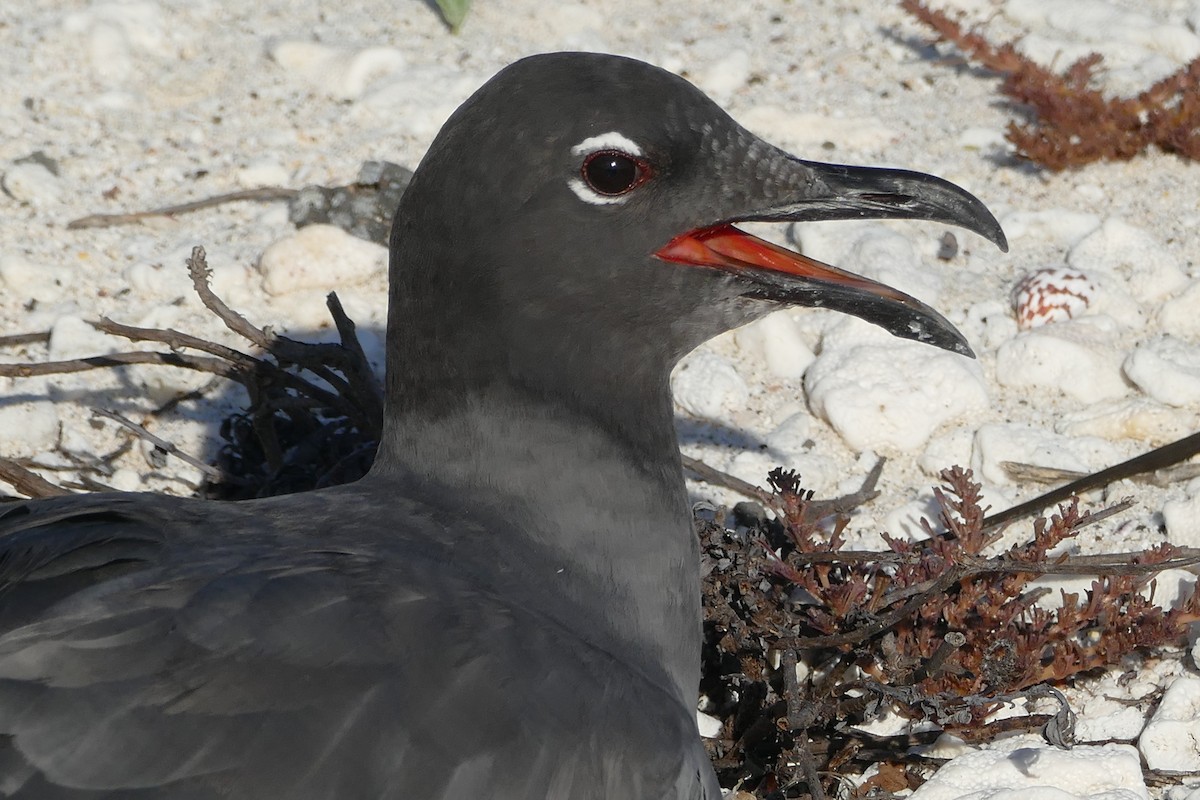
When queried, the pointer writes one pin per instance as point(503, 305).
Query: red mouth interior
point(725, 247)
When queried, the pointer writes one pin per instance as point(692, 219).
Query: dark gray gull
point(508, 605)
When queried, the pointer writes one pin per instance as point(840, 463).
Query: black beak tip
point(987, 225)
point(996, 236)
point(975, 216)
point(943, 335)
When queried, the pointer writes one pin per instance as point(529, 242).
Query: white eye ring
point(614, 141)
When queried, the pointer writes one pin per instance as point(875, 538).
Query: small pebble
point(793, 436)
point(884, 255)
point(1167, 369)
point(1078, 358)
point(710, 726)
point(72, 337)
point(724, 76)
point(30, 281)
point(1138, 418)
point(1171, 739)
point(947, 246)
point(988, 324)
point(1101, 718)
point(1029, 768)
point(776, 340)
point(574, 26)
point(32, 184)
point(304, 312)
point(342, 73)
point(1180, 315)
point(996, 443)
point(983, 139)
point(27, 428)
point(425, 95)
point(801, 132)
point(162, 384)
point(1151, 272)
point(905, 520)
point(1058, 226)
point(892, 397)
point(1051, 295)
point(320, 257)
point(116, 34)
point(948, 746)
point(1173, 588)
point(708, 386)
point(262, 172)
point(947, 449)
point(126, 480)
point(1181, 518)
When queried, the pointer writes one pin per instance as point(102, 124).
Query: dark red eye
point(611, 172)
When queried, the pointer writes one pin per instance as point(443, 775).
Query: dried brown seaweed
point(1071, 122)
point(939, 630)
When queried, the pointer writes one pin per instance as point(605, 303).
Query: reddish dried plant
point(1009, 643)
point(1072, 123)
point(941, 629)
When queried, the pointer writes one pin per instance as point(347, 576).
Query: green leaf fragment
point(454, 12)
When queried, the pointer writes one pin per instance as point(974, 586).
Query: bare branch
point(362, 379)
point(178, 341)
point(716, 477)
point(108, 220)
point(27, 482)
point(162, 444)
point(242, 367)
point(17, 339)
point(200, 273)
point(215, 366)
point(1155, 459)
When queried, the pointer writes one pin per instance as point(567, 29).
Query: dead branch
point(214, 366)
point(319, 403)
point(820, 508)
point(243, 368)
point(359, 387)
point(363, 385)
point(1156, 459)
point(108, 220)
point(161, 444)
point(27, 482)
point(17, 339)
point(712, 475)
point(200, 273)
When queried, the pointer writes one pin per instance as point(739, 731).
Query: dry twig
point(1154, 460)
point(160, 443)
point(109, 220)
point(304, 429)
point(27, 482)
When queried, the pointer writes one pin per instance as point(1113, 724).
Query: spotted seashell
point(1053, 294)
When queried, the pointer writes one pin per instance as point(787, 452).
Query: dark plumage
point(508, 605)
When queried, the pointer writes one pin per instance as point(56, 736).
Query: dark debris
point(364, 208)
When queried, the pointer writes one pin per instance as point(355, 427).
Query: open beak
point(834, 191)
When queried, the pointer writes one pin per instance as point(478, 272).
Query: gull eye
point(612, 173)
